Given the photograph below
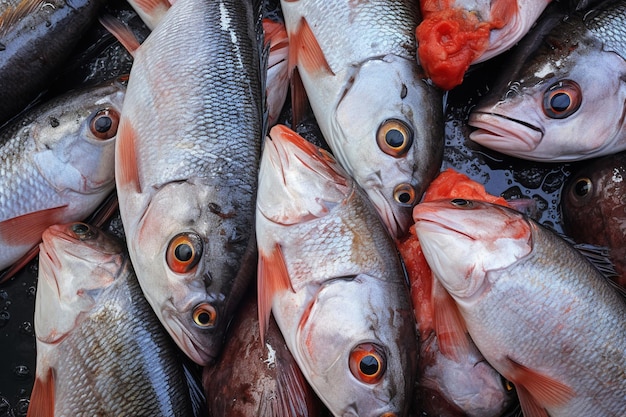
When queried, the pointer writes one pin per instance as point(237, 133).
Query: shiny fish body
point(36, 37)
point(539, 312)
point(98, 342)
point(57, 164)
point(188, 157)
point(564, 99)
point(343, 298)
point(381, 119)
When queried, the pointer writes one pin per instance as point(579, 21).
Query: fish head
point(357, 359)
point(463, 240)
point(564, 101)
point(76, 263)
point(187, 254)
point(79, 140)
point(387, 132)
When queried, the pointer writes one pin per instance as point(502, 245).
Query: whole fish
point(455, 34)
point(187, 162)
point(564, 98)
point(380, 117)
point(541, 314)
point(254, 377)
point(330, 274)
point(100, 348)
point(593, 206)
point(56, 164)
point(36, 37)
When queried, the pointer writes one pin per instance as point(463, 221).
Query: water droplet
point(21, 371)
point(26, 327)
point(4, 317)
point(31, 291)
point(4, 295)
point(22, 406)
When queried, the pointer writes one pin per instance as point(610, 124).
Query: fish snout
point(504, 134)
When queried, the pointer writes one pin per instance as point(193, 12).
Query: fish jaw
point(459, 243)
point(503, 134)
point(394, 179)
point(173, 210)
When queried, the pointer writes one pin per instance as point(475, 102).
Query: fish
point(36, 38)
point(355, 62)
point(57, 164)
point(329, 274)
point(540, 313)
point(100, 348)
point(254, 377)
point(563, 99)
point(453, 377)
point(593, 204)
point(277, 82)
point(187, 160)
point(456, 34)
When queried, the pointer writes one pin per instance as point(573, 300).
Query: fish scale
point(609, 25)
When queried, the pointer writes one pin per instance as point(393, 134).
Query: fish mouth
point(431, 223)
point(186, 340)
point(504, 134)
point(397, 219)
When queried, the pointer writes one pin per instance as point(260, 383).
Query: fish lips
point(504, 134)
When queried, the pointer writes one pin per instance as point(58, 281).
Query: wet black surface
point(100, 57)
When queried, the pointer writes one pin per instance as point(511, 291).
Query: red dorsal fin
point(535, 390)
point(27, 228)
point(127, 172)
point(305, 52)
point(121, 32)
point(449, 325)
point(273, 277)
point(42, 397)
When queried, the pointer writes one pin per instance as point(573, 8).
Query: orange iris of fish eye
point(104, 124)
point(184, 252)
point(394, 137)
point(204, 315)
point(367, 363)
point(562, 99)
point(404, 194)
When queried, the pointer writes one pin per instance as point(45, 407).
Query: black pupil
point(369, 365)
point(404, 198)
point(183, 252)
point(459, 202)
point(394, 138)
point(103, 124)
point(204, 318)
point(80, 229)
point(582, 187)
point(560, 102)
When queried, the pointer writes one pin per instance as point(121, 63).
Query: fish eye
point(104, 124)
point(580, 191)
point(204, 315)
point(562, 99)
point(404, 194)
point(394, 137)
point(506, 384)
point(461, 202)
point(367, 363)
point(184, 252)
point(82, 231)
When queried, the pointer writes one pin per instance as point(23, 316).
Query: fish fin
point(121, 32)
point(10, 272)
point(449, 324)
point(155, 9)
point(273, 276)
point(502, 11)
point(27, 228)
point(299, 100)
point(530, 407)
point(14, 13)
point(127, 173)
point(194, 385)
point(295, 396)
point(305, 51)
point(542, 389)
point(42, 397)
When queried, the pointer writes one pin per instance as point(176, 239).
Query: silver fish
point(540, 313)
point(565, 99)
point(100, 348)
point(187, 162)
point(330, 274)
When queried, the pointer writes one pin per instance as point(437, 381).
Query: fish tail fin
point(273, 277)
point(449, 324)
point(42, 397)
point(121, 32)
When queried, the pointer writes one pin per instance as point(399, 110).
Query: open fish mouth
point(504, 134)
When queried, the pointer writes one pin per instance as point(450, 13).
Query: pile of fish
point(313, 208)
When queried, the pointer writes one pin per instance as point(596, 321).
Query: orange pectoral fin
point(153, 7)
point(42, 397)
point(27, 228)
point(305, 51)
point(449, 324)
point(121, 32)
point(535, 390)
point(272, 277)
point(127, 173)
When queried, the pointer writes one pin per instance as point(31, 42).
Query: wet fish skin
point(36, 37)
point(331, 277)
point(539, 312)
point(565, 102)
point(98, 342)
point(188, 154)
point(361, 79)
point(54, 158)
